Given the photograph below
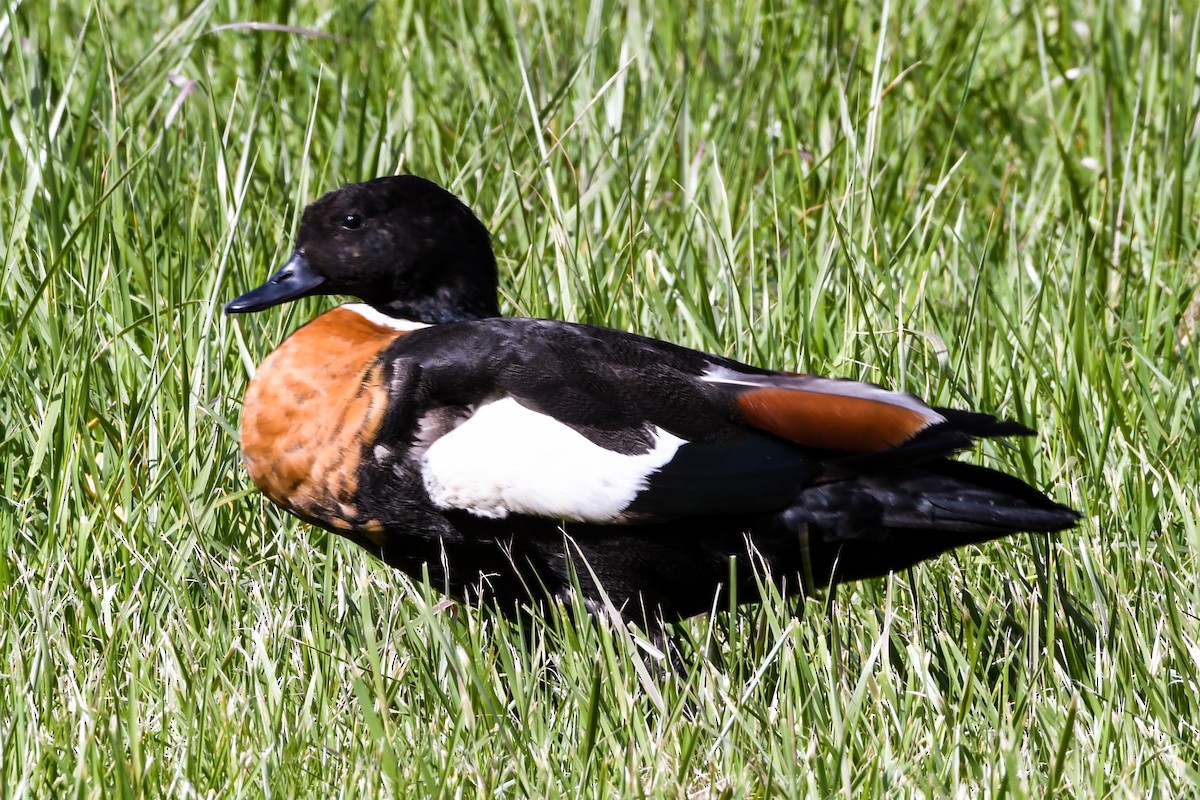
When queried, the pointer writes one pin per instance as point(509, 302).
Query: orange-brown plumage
point(831, 421)
point(312, 407)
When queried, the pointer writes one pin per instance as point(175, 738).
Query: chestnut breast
point(313, 408)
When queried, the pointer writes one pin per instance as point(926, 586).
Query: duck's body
point(515, 458)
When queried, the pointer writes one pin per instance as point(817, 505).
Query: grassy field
point(990, 204)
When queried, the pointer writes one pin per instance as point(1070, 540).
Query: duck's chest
point(313, 412)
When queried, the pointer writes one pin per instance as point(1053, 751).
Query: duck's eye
point(352, 222)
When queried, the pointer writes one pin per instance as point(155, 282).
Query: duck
point(514, 461)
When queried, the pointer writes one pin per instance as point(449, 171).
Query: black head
point(401, 244)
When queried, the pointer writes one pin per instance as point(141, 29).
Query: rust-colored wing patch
point(831, 421)
point(312, 408)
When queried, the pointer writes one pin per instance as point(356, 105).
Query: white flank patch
point(829, 386)
point(380, 318)
point(506, 459)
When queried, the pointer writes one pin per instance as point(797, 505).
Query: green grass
point(990, 204)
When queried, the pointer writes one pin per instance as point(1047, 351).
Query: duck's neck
point(439, 307)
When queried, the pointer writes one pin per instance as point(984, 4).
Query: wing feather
point(589, 424)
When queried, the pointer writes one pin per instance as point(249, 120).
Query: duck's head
point(402, 244)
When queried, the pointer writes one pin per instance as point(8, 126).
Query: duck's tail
point(871, 524)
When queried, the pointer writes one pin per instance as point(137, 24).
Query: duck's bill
point(293, 281)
